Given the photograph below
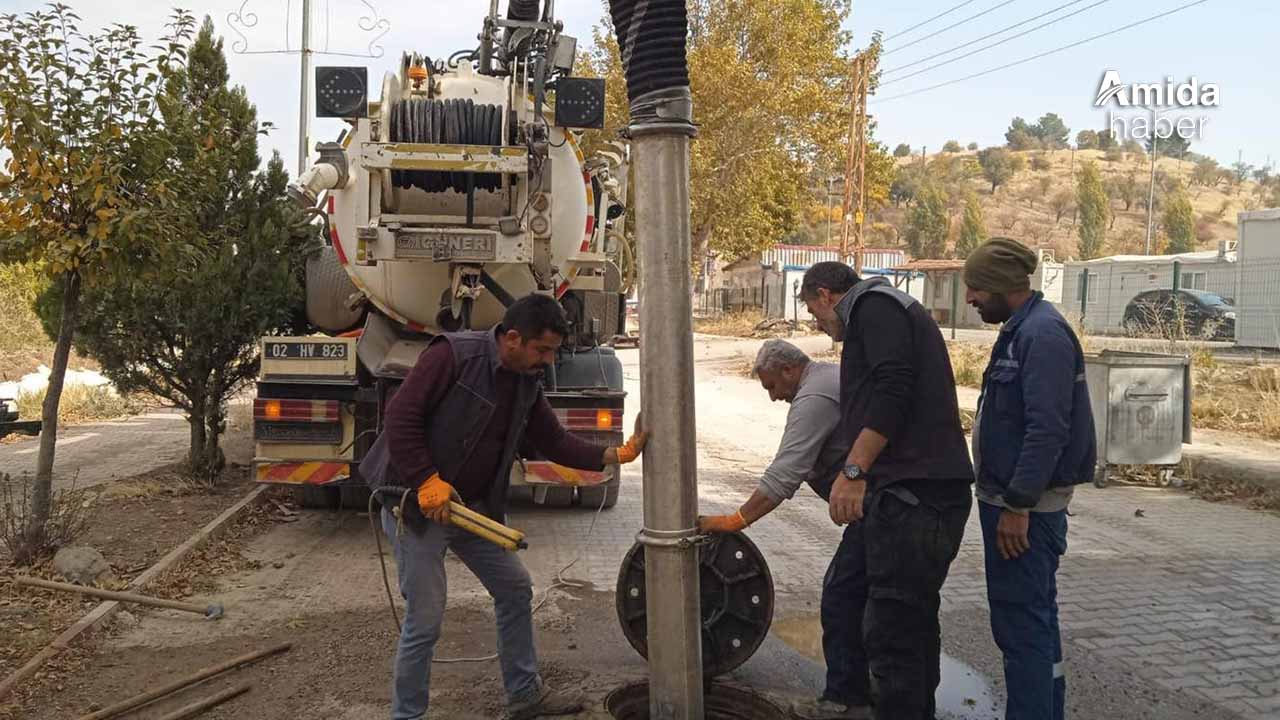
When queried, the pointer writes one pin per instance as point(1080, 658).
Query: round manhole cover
point(736, 590)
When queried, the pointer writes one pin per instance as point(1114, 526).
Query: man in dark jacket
point(906, 478)
point(1033, 441)
point(452, 431)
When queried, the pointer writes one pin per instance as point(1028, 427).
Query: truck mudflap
point(545, 472)
point(301, 473)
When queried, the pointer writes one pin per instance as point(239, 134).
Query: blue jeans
point(420, 562)
point(1023, 594)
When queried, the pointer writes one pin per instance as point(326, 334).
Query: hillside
point(1025, 207)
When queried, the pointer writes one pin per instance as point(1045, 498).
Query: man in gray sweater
point(811, 444)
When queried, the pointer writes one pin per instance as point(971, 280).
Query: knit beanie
point(1000, 266)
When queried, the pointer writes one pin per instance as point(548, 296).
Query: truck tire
point(354, 496)
point(590, 497)
point(553, 496)
point(318, 497)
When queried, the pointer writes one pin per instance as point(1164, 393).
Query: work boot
point(824, 709)
point(547, 702)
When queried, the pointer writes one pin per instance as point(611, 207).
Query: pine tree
point(928, 224)
point(1091, 199)
point(193, 323)
point(973, 229)
point(1179, 221)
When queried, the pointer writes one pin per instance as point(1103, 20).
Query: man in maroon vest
point(453, 430)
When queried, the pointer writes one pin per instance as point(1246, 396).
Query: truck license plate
point(447, 246)
point(305, 351)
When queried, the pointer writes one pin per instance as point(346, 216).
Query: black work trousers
point(884, 586)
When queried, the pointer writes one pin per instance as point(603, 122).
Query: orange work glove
point(433, 498)
point(722, 523)
point(633, 447)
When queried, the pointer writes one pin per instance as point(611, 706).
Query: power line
point(984, 37)
point(997, 43)
point(935, 17)
point(1044, 54)
point(953, 25)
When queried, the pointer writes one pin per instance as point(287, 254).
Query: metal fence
point(767, 299)
point(1257, 303)
point(1102, 296)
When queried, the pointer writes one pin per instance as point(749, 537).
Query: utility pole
point(1151, 190)
point(304, 109)
point(241, 22)
point(856, 163)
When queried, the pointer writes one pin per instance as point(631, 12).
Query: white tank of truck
point(409, 241)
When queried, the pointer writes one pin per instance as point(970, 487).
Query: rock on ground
point(81, 565)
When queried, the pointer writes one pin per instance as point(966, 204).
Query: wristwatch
point(853, 471)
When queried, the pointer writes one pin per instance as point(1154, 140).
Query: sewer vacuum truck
point(459, 186)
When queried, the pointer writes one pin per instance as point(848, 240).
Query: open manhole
point(721, 702)
point(736, 593)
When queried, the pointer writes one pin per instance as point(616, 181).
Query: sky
point(1225, 42)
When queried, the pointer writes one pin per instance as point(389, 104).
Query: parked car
point(9, 423)
point(8, 409)
point(1186, 313)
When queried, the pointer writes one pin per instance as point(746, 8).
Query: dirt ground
point(134, 523)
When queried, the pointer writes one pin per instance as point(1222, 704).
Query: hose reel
point(452, 122)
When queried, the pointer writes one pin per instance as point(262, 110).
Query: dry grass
point(1239, 400)
point(70, 515)
point(82, 403)
point(23, 343)
point(748, 324)
point(968, 362)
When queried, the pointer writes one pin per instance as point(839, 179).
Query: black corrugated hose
point(651, 37)
point(456, 122)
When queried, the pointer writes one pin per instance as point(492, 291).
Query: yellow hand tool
point(465, 518)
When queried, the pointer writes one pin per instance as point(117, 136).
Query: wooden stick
point(153, 695)
point(200, 706)
point(207, 611)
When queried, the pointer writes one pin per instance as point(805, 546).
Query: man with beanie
point(903, 482)
point(1033, 441)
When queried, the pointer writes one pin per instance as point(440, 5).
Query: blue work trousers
point(1023, 593)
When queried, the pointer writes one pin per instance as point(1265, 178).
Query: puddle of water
point(963, 695)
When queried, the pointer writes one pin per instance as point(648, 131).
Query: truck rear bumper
point(542, 472)
point(301, 473)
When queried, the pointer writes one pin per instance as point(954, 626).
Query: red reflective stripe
point(326, 473)
point(280, 472)
point(333, 235)
point(560, 291)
